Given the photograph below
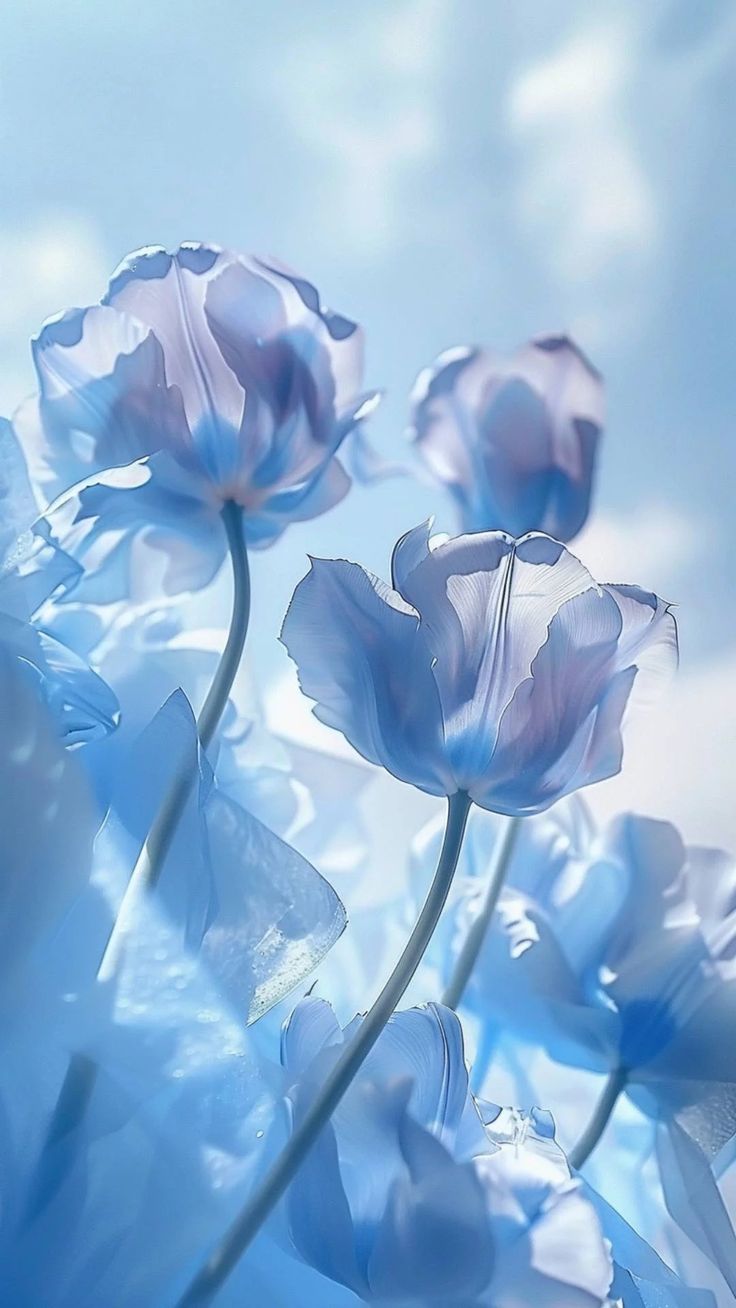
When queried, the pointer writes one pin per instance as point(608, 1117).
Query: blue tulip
point(492, 666)
point(220, 378)
point(513, 439)
point(611, 949)
point(406, 1198)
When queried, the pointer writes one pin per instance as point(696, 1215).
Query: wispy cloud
point(678, 757)
point(583, 193)
point(653, 544)
point(370, 121)
point(55, 261)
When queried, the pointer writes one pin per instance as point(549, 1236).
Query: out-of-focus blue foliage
point(114, 1208)
point(612, 950)
point(32, 566)
point(304, 794)
point(609, 949)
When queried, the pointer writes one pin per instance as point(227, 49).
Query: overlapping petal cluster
point(32, 566)
point(611, 949)
point(406, 1197)
point(225, 375)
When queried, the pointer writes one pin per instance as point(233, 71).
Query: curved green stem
point(614, 1086)
point(81, 1074)
point(248, 1223)
point(468, 955)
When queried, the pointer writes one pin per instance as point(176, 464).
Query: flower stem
point(246, 1226)
point(81, 1074)
point(468, 955)
point(614, 1086)
point(151, 860)
point(222, 683)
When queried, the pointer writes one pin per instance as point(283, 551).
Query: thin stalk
point(468, 955)
point(222, 682)
point(81, 1074)
point(246, 1226)
point(151, 860)
point(614, 1086)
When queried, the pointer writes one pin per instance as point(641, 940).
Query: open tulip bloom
point(224, 381)
point(162, 891)
point(491, 667)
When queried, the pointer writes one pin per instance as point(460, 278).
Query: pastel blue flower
point(494, 666)
point(405, 1199)
point(640, 1278)
point(513, 439)
point(224, 375)
point(611, 949)
point(32, 566)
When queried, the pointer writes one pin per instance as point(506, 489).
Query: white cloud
point(371, 121)
point(55, 261)
point(583, 194)
point(288, 713)
point(650, 545)
point(680, 757)
point(680, 754)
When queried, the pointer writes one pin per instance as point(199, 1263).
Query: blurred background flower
point(514, 439)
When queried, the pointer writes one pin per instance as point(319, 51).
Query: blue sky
point(446, 171)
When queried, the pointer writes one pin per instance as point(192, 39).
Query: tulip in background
point(513, 439)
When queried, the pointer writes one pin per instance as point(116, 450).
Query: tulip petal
point(486, 604)
point(348, 633)
point(694, 1200)
point(434, 1241)
point(167, 292)
point(104, 400)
